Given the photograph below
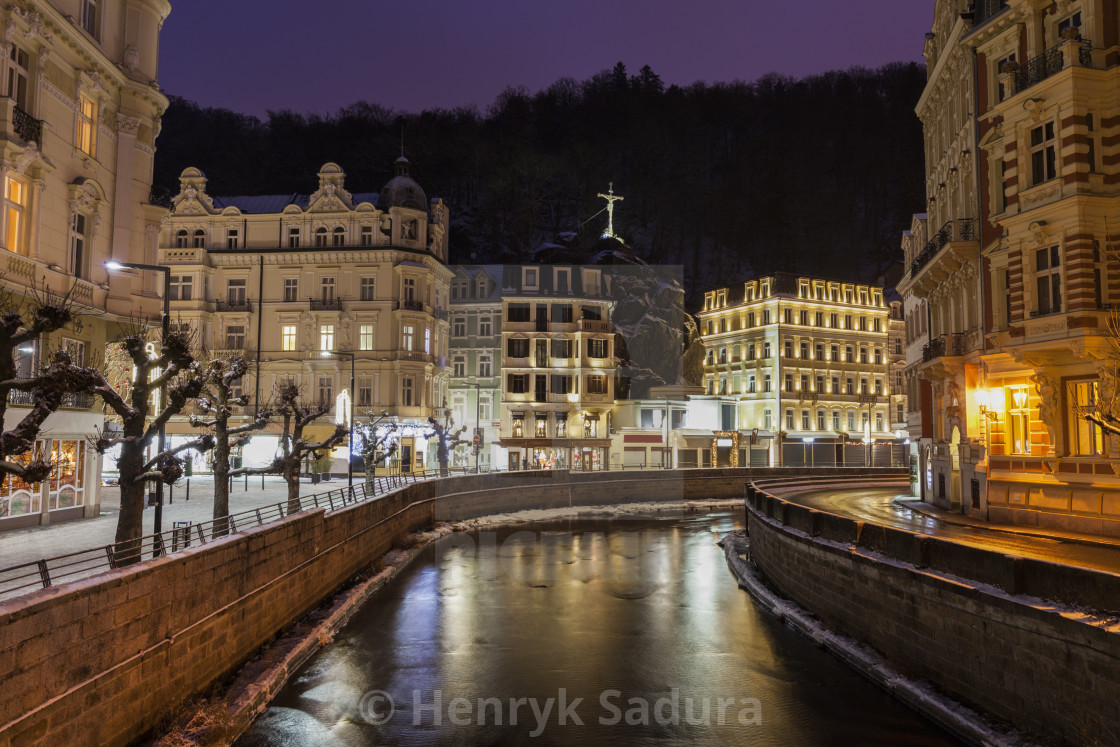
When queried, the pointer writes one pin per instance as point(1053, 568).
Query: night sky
point(258, 55)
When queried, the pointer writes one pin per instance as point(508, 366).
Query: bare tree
point(447, 437)
point(295, 417)
point(1103, 409)
point(172, 369)
point(217, 403)
point(377, 444)
point(44, 389)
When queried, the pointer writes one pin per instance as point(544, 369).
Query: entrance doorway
point(956, 504)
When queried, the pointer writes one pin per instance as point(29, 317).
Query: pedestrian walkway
point(32, 544)
point(1023, 530)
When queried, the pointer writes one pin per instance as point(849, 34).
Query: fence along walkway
point(26, 577)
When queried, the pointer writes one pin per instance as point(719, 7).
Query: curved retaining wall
point(1054, 675)
point(103, 660)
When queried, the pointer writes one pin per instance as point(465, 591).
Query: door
point(955, 469)
point(406, 458)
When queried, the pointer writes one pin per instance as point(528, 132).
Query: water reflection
point(637, 618)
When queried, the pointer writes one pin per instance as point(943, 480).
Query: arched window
point(199, 239)
point(181, 239)
point(339, 238)
point(320, 237)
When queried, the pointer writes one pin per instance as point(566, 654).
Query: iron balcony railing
point(26, 126)
point(160, 197)
point(410, 305)
point(984, 10)
point(245, 305)
point(326, 304)
point(953, 230)
point(955, 344)
point(70, 400)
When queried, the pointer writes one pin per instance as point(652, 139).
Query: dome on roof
point(402, 190)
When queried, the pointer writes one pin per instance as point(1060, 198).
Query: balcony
point(408, 304)
point(26, 126)
point(951, 345)
point(954, 230)
point(984, 10)
point(594, 325)
point(243, 305)
point(326, 304)
point(440, 314)
point(70, 400)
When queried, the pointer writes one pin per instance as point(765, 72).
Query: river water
point(637, 618)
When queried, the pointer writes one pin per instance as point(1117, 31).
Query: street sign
point(477, 440)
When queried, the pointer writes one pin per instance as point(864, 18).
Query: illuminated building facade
point(287, 280)
point(475, 360)
point(558, 367)
point(80, 113)
point(801, 363)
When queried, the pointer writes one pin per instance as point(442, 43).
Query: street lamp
point(113, 265)
point(350, 442)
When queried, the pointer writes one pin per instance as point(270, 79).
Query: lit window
point(1019, 419)
point(408, 334)
point(15, 203)
point(288, 337)
point(326, 337)
point(87, 124)
point(427, 340)
point(79, 250)
point(1085, 436)
point(365, 337)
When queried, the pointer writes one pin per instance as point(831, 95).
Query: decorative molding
point(128, 124)
point(34, 24)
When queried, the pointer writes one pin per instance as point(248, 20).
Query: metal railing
point(26, 126)
point(410, 305)
point(245, 305)
point(984, 10)
point(326, 304)
point(71, 400)
point(953, 230)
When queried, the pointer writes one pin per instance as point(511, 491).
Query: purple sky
point(256, 55)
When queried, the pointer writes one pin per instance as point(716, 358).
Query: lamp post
point(477, 423)
point(868, 399)
point(165, 327)
point(350, 441)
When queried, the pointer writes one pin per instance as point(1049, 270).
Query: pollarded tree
point(217, 403)
point(447, 437)
point(295, 416)
point(377, 443)
point(172, 368)
point(44, 389)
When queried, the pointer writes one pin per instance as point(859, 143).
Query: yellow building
point(317, 286)
point(558, 367)
point(78, 122)
point(803, 364)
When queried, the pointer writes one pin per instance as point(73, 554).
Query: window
point(767, 419)
point(879, 387)
point(427, 341)
point(561, 348)
point(293, 237)
point(789, 349)
point(517, 347)
point(484, 367)
point(863, 355)
point(517, 312)
point(849, 354)
point(863, 386)
point(804, 350)
point(235, 336)
point(820, 420)
point(596, 384)
point(288, 337)
point(835, 385)
point(562, 384)
point(409, 290)
point(181, 239)
point(851, 386)
point(789, 382)
point(79, 254)
point(750, 351)
point(181, 287)
point(1043, 154)
point(199, 240)
point(1085, 437)
point(367, 289)
point(326, 288)
point(529, 278)
point(365, 392)
point(235, 292)
point(596, 348)
point(820, 351)
point(338, 237)
point(848, 318)
point(562, 313)
point(1071, 22)
point(291, 289)
point(541, 425)
point(766, 383)
point(879, 421)
point(517, 383)
point(851, 421)
point(231, 238)
point(561, 281)
point(766, 349)
point(878, 356)
point(458, 368)
point(789, 420)
point(835, 353)
point(484, 410)
point(365, 337)
point(87, 124)
point(18, 61)
point(320, 237)
point(787, 315)
point(459, 327)
point(326, 337)
point(90, 17)
point(15, 202)
point(836, 420)
point(1091, 156)
point(1048, 280)
point(485, 327)
point(1003, 92)
point(367, 235)
point(803, 318)
point(406, 391)
point(408, 335)
point(804, 383)
point(76, 349)
point(820, 383)
point(766, 316)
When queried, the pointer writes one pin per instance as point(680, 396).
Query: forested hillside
point(815, 175)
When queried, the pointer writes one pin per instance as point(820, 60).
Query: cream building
point(803, 365)
point(558, 367)
point(80, 113)
point(315, 287)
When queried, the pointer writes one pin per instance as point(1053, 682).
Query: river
point(583, 631)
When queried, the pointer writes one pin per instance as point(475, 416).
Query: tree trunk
point(221, 485)
point(291, 476)
point(130, 523)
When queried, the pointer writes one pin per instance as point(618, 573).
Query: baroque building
point(475, 384)
point(558, 367)
point(344, 293)
point(80, 113)
point(802, 366)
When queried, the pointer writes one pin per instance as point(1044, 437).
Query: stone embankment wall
point(103, 660)
point(1050, 671)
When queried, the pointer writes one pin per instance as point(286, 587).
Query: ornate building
point(558, 367)
point(316, 288)
point(802, 364)
point(943, 275)
point(80, 114)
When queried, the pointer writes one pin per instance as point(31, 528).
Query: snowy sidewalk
point(35, 543)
